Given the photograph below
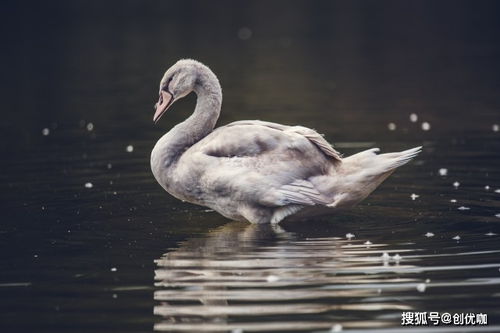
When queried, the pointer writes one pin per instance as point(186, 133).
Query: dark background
point(345, 68)
point(64, 61)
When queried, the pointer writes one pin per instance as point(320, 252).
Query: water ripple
point(263, 278)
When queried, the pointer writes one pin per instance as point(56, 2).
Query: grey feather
point(254, 170)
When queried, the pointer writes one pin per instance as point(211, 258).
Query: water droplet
point(115, 296)
point(90, 127)
point(391, 126)
point(45, 132)
point(385, 256)
point(495, 128)
point(426, 126)
point(130, 148)
point(443, 172)
point(457, 238)
point(272, 278)
point(336, 328)
point(397, 257)
point(429, 234)
point(421, 287)
point(413, 117)
point(497, 190)
point(109, 165)
point(490, 234)
point(89, 185)
point(368, 243)
point(113, 269)
point(427, 280)
point(463, 208)
point(453, 200)
point(456, 184)
point(349, 236)
point(413, 196)
point(244, 33)
point(487, 187)
point(497, 215)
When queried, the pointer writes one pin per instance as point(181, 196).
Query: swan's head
point(178, 81)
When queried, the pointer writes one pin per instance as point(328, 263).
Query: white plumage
point(253, 170)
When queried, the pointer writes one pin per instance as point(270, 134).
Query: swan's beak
point(166, 99)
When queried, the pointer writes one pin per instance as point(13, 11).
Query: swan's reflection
point(263, 278)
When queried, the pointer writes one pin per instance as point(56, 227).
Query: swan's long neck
point(173, 144)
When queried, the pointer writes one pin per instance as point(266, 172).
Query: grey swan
point(253, 170)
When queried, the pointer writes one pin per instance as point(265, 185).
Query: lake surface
point(91, 243)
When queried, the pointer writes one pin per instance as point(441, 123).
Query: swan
point(253, 170)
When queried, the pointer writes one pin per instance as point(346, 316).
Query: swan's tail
point(368, 163)
point(391, 161)
point(364, 171)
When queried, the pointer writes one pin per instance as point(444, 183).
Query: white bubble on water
point(487, 187)
point(272, 278)
point(336, 328)
point(490, 234)
point(109, 165)
point(385, 256)
point(367, 243)
point(453, 200)
point(497, 215)
point(113, 269)
point(443, 172)
point(426, 126)
point(457, 238)
point(89, 185)
point(421, 287)
point(413, 117)
point(349, 236)
point(429, 234)
point(463, 208)
point(391, 126)
point(45, 131)
point(397, 257)
point(129, 148)
point(414, 196)
point(497, 190)
point(244, 33)
point(90, 127)
point(456, 184)
point(495, 128)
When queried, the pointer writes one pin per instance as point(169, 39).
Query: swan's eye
point(167, 84)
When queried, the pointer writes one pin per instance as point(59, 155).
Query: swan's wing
point(301, 192)
point(257, 136)
point(318, 140)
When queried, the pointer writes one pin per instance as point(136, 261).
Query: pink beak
point(166, 99)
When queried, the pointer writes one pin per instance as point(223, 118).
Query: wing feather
point(313, 136)
point(302, 192)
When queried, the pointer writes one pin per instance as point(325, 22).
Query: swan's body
point(257, 171)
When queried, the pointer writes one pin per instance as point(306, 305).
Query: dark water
point(125, 256)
